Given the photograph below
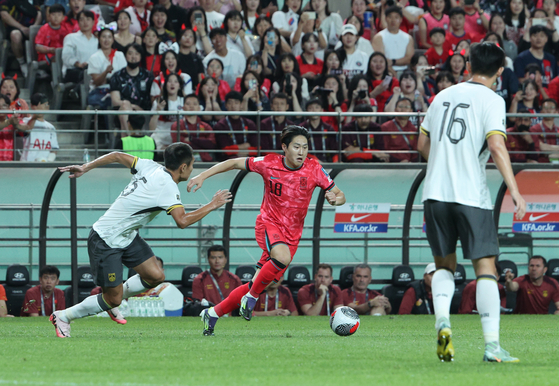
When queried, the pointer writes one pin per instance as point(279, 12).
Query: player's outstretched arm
point(114, 157)
point(184, 219)
point(222, 167)
point(500, 155)
point(335, 197)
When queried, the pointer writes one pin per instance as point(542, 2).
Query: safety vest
point(143, 147)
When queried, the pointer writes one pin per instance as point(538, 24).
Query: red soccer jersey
point(350, 296)
point(282, 301)
point(433, 57)
point(49, 37)
point(531, 299)
point(203, 286)
point(307, 295)
point(3, 293)
point(287, 192)
point(32, 303)
point(451, 40)
point(468, 303)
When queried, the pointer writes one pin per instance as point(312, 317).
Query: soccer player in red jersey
point(289, 182)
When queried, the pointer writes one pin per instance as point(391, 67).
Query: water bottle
point(417, 101)
point(132, 305)
point(161, 307)
point(85, 156)
point(124, 308)
point(150, 308)
point(142, 307)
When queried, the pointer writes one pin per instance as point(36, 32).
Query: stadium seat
point(85, 285)
point(60, 88)
point(297, 277)
point(504, 266)
point(245, 273)
point(17, 284)
point(402, 276)
point(33, 63)
point(553, 269)
point(188, 275)
point(459, 285)
point(346, 277)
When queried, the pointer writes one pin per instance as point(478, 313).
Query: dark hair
point(370, 75)
point(447, 66)
point(57, 8)
point(162, 63)
point(535, 85)
point(5, 98)
point(201, 10)
point(486, 59)
point(217, 60)
point(7, 78)
point(49, 270)
point(155, 48)
point(137, 122)
point(493, 16)
point(246, 15)
point(308, 36)
point(445, 75)
point(339, 93)
point(201, 96)
point(259, 20)
point(499, 39)
point(217, 31)
point(137, 47)
point(456, 11)
point(286, 8)
point(551, 100)
point(408, 74)
point(539, 257)
point(313, 101)
point(258, 58)
point(176, 154)
point(533, 14)
point(508, 17)
point(231, 15)
point(104, 30)
point(280, 74)
point(293, 131)
point(415, 59)
point(160, 9)
point(191, 95)
point(327, 53)
point(405, 99)
point(298, 90)
point(325, 266)
point(165, 93)
point(38, 98)
point(437, 30)
point(217, 248)
point(234, 95)
point(244, 90)
point(532, 67)
point(280, 95)
point(393, 9)
point(183, 31)
point(86, 13)
point(279, 50)
point(353, 86)
point(535, 29)
point(326, 10)
point(363, 108)
point(360, 29)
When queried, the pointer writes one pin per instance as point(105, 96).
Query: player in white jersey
point(463, 126)
point(114, 239)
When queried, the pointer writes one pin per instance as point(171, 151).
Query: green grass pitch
point(397, 350)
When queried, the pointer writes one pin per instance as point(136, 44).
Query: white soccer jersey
point(458, 122)
point(150, 191)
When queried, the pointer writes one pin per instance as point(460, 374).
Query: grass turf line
point(396, 350)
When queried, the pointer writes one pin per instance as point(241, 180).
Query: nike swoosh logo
point(535, 218)
point(274, 178)
point(354, 219)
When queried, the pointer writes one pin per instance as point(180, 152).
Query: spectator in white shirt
point(233, 61)
point(354, 61)
point(42, 142)
point(213, 19)
point(78, 48)
point(236, 37)
point(394, 43)
point(139, 17)
point(287, 19)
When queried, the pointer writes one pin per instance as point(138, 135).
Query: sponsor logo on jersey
point(303, 183)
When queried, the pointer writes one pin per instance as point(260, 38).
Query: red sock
point(267, 274)
point(232, 302)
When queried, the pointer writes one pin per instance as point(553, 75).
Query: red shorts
point(267, 236)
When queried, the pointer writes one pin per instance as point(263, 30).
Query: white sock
point(212, 313)
point(489, 308)
point(442, 287)
point(89, 306)
point(133, 286)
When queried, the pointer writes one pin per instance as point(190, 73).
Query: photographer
point(254, 98)
point(291, 86)
point(332, 98)
point(359, 95)
point(527, 98)
point(524, 142)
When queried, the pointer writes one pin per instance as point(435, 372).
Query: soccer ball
point(344, 321)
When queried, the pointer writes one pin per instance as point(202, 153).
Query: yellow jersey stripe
point(493, 132)
point(134, 163)
point(424, 131)
point(171, 208)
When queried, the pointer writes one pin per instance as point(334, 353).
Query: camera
point(197, 18)
point(288, 86)
point(362, 94)
point(469, 2)
point(390, 3)
point(323, 91)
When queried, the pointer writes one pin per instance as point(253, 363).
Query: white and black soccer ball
point(344, 321)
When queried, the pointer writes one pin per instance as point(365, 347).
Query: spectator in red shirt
point(3, 300)
point(407, 141)
point(216, 283)
point(309, 65)
point(358, 94)
point(150, 44)
point(546, 134)
point(535, 291)
point(320, 297)
point(418, 299)
point(381, 82)
point(435, 18)
point(51, 35)
point(476, 21)
point(438, 53)
point(362, 299)
point(8, 124)
point(70, 24)
point(456, 32)
point(44, 299)
point(276, 301)
point(468, 304)
point(333, 100)
point(521, 143)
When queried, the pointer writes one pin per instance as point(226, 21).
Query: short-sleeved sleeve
point(323, 179)
point(556, 295)
point(287, 302)
point(3, 293)
point(95, 65)
point(169, 198)
point(304, 295)
point(256, 164)
point(495, 118)
point(41, 37)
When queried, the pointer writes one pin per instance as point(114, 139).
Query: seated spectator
point(332, 99)
point(214, 19)
point(546, 134)
point(50, 35)
point(216, 283)
point(497, 25)
point(130, 87)
point(418, 298)
point(434, 19)
point(437, 54)
point(270, 50)
point(426, 75)
point(535, 291)
point(363, 300)
point(307, 25)
point(527, 99)
point(409, 88)
point(233, 61)
point(331, 65)
point(78, 48)
point(535, 73)
point(169, 65)
point(309, 65)
point(197, 133)
point(352, 60)
point(292, 87)
point(210, 100)
point(408, 141)
point(254, 63)
point(409, 19)
point(276, 124)
point(203, 45)
point(137, 143)
point(362, 44)
point(176, 15)
point(456, 64)
point(476, 21)
point(215, 70)
point(171, 100)
point(150, 44)
point(261, 26)
point(494, 37)
point(189, 61)
point(331, 23)
point(523, 142)
point(45, 298)
point(395, 44)
point(358, 94)
point(468, 305)
point(254, 98)
point(236, 37)
point(365, 146)
point(287, 19)
point(139, 16)
point(42, 142)
point(10, 88)
point(516, 15)
point(8, 125)
point(323, 136)
point(536, 54)
point(275, 301)
point(251, 11)
point(123, 38)
point(320, 297)
point(456, 31)
point(288, 64)
point(3, 300)
point(381, 80)
point(70, 24)
point(507, 86)
point(160, 22)
point(444, 80)
point(358, 9)
point(242, 138)
point(550, 6)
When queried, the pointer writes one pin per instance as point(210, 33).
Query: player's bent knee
point(112, 300)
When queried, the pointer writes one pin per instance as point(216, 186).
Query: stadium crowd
point(292, 55)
